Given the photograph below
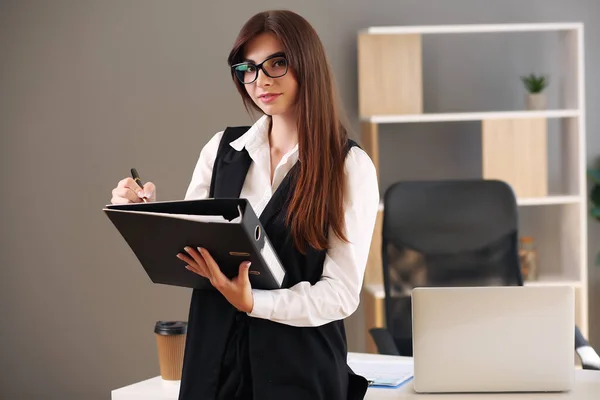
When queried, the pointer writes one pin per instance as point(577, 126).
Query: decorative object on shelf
point(594, 175)
point(528, 258)
point(535, 85)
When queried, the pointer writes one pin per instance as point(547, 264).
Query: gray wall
point(90, 89)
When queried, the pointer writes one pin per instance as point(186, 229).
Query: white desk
point(587, 387)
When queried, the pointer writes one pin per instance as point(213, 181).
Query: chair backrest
point(445, 233)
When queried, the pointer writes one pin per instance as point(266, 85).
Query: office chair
point(448, 233)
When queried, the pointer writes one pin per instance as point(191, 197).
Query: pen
point(136, 178)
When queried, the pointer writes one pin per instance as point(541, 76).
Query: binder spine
point(255, 230)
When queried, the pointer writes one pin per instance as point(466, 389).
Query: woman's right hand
point(128, 191)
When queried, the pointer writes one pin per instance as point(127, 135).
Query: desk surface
point(587, 387)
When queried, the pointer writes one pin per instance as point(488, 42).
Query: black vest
point(285, 362)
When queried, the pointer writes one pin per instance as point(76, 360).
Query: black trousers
point(235, 380)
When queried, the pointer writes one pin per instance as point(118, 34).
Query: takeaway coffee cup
point(170, 339)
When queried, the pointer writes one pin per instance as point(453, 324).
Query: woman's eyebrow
point(278, 54)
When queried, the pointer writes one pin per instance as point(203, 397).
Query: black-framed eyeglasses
point(274, 66)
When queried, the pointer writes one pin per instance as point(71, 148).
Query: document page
point(383, 371)
point(189, 217)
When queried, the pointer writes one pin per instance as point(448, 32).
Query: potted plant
point(535, 85)
point(594, 175)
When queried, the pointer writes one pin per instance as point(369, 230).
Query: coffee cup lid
point(168, 328)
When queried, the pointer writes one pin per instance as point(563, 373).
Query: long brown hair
point(317, 202)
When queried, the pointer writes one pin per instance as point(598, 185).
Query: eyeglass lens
point(248, 72)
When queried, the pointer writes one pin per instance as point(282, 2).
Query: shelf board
point(535, 201)
point(549, 200)
point(554, 281)
point(470, 116)
point(471, 28)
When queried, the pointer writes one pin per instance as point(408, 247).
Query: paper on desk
point(383, 372)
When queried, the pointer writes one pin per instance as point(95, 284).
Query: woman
point(316, 194)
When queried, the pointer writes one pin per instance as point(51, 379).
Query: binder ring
point(257, 232)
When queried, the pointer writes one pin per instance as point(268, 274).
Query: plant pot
point(536, 101)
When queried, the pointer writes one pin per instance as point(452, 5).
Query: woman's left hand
point(237, 291)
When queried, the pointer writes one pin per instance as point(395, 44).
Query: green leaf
point(594, 174)
point(535, 84)
point(595, 196)
point(595, 212)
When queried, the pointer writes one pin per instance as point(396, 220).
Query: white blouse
point(337, 294)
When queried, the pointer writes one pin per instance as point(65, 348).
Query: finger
point(194, 268)
point(197, 261)
point(195, 255)
point(243, 272)
point(218, 279)
point(127, 194)
point(128, 183)
point(133, 186)
point(150, 191)
point(119, 200)
point(186, 259)
point(200, 269)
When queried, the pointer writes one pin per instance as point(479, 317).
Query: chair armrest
point(589, 357)
point(580, 341)
point(384, 341)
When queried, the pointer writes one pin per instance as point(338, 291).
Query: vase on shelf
point(528, 258)
point(536, 101)
point(535, 85)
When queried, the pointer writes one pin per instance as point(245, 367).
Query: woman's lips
point(269, 98)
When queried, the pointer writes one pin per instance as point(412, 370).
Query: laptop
point(493, 339)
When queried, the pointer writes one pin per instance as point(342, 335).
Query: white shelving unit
point(557, 219)
point(538, 201)
point(487, 28)
point(475, 116)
